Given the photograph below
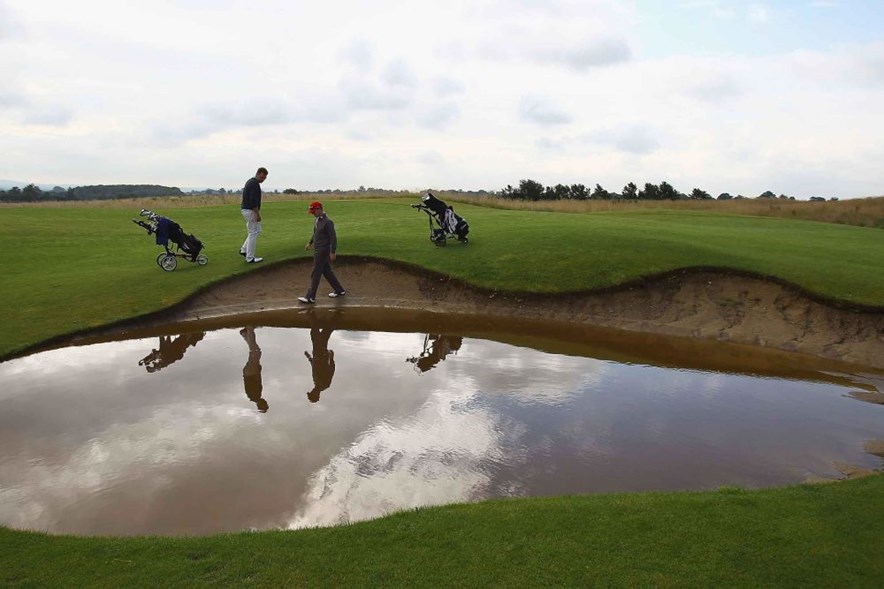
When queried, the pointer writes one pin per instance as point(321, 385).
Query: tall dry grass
point(172, 202)
point(862, 212)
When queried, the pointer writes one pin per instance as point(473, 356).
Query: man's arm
point(332, 241)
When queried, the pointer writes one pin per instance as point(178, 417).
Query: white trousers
point(254, 228)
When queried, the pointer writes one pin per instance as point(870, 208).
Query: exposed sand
point(699, 304)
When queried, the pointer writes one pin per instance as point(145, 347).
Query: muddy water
point(319, 418)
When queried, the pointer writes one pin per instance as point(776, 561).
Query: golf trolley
point(444, 224)
point(167, 230)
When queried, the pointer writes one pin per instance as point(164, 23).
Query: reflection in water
point(435, 352)
point(322, 362)
point(251, 372)
point(170, 350)
point(181, 451)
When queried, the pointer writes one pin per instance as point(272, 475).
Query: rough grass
point(81, 267)
point(861, 212)
point(805, 536)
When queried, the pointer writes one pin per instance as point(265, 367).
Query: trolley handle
point(147, 226)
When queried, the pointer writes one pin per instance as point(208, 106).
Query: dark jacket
point(251, 194)
point(324, 237)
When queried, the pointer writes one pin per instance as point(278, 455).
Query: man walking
point(251, 212)
point(324, 243)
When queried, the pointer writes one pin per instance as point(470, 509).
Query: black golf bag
point(444, 223)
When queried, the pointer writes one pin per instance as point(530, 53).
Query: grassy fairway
point(76, 268)
point(808, 536)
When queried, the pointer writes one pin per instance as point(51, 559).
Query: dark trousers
point(322, 267)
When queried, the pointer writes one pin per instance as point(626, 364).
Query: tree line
point(526, 190)
point(535, 191)
point(33, 193)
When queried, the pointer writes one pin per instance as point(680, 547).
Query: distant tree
point(508, 192)
point(579, 192)
point(667, 191)
point(531, 190)
point(291, 191)
point(698, 194)
point(31, 192)
point(649, 192)
point(548, 193)
point(562, 192)
point(767, 194)
point(630, 191)
point(724, 196)
point(817, 199)
point(599, 193)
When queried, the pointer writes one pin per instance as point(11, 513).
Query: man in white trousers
point(251, 212)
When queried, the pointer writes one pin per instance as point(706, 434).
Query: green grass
point(76, 268)
point(805, 536)
point(72, 268)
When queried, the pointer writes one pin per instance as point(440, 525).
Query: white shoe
point(306, 300)
point(335, 295)
point(255, 260)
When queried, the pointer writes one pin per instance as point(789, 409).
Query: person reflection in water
point(322, 362)
point(251, 372)
point(442, 346)
point(170, 350)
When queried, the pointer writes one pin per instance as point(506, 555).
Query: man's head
point(315, 208)
point(261, 174)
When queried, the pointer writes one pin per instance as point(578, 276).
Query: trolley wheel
point(160, 259)
point(464, 241)
point(202, 260)
point(440, 241)
point(169, 263)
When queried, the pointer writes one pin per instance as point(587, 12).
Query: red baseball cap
point(314, 205)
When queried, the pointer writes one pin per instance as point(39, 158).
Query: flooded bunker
point(291, 419)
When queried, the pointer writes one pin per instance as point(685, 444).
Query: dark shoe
point(242, 253)
point(255, 260)
point(335, 295)
point(306, 300)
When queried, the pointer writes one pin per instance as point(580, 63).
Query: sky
point(726, 96)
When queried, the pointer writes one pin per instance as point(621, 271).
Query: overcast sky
point(728, 96)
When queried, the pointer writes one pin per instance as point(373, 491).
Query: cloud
point(10, 25)
point(439, 116)
point(714, 7)
point(714, 89)
point(759, 14)
point(446, 86)
point(51, 116)
point(218, 117)
point(861, 64)
point(594, 53)
point(359, 53)
point(399, 73)
point(637, 139)
point(579, 54)
point(542, 112)
point(12, 99)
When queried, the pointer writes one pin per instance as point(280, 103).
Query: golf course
point(80, 269)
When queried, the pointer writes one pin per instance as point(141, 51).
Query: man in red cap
point(324, 243)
